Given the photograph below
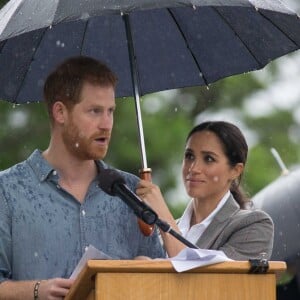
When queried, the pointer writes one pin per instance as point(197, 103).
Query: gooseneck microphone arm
point(141, 210)
point(111, 182)
point(166, 227)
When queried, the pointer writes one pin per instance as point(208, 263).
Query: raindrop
point(175, 109)
point(18, 119)
point(215, 178)
point(207, 87)
point(36, 254)
point(77, 145)
point(194, 7)
point(41, 81)
point(85, 16)
point(60, 44)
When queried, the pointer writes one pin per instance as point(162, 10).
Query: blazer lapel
point(217, 225)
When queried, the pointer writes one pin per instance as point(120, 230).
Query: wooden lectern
point(157, 279)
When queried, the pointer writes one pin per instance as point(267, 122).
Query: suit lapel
point(219, 222)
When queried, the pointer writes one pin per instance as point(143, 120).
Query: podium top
point(85, 280)
point(165, 266)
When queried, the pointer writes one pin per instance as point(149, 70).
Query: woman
point(218, 216)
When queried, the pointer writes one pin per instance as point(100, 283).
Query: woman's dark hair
point(235, 148)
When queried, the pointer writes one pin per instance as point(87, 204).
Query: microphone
point(112, 183)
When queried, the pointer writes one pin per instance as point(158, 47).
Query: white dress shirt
point(193, 233)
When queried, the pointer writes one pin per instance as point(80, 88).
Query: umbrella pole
point(145, 172)
point(132, 58)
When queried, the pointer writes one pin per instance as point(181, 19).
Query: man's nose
point(106, 120)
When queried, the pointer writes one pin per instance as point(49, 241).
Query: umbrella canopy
point(175, 43)
point(151, 45)
point(281, 200)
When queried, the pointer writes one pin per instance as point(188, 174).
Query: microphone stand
point(149, 216)
point(164, 226)
point(140, 208)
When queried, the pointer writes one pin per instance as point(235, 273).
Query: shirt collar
point(39, 165)
point(44, 170)
point(185, 220)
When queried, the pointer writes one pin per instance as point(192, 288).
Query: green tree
point(23, 128)
point(2, 2)
point(166, 121)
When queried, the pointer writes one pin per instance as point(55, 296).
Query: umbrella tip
point(285, 172)
point(284, 169)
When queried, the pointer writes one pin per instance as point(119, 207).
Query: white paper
point(90, 253)
point(190, 258)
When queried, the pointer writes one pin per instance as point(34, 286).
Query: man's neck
point(69, 166)
point(75, 175)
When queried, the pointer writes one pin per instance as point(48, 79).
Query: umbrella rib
point(248, 49)
point(84, 35)
point(284, 33)
point(190, 50)
point(32, 59)
point(2, 44)
point(264, 16)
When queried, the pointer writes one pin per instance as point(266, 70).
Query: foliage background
point(167, 118)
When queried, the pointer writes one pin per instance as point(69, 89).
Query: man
point(51, 207)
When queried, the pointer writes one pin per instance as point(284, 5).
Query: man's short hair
point(66, 81)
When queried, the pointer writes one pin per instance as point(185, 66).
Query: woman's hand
point(151, 194)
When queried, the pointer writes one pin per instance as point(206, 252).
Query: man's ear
point(59, 112)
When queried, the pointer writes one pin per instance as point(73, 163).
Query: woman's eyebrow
point(209, 152)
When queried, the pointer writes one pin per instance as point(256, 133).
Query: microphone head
point(107, 178)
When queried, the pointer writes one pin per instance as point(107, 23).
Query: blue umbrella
point(152, 45)
point(281, 200)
